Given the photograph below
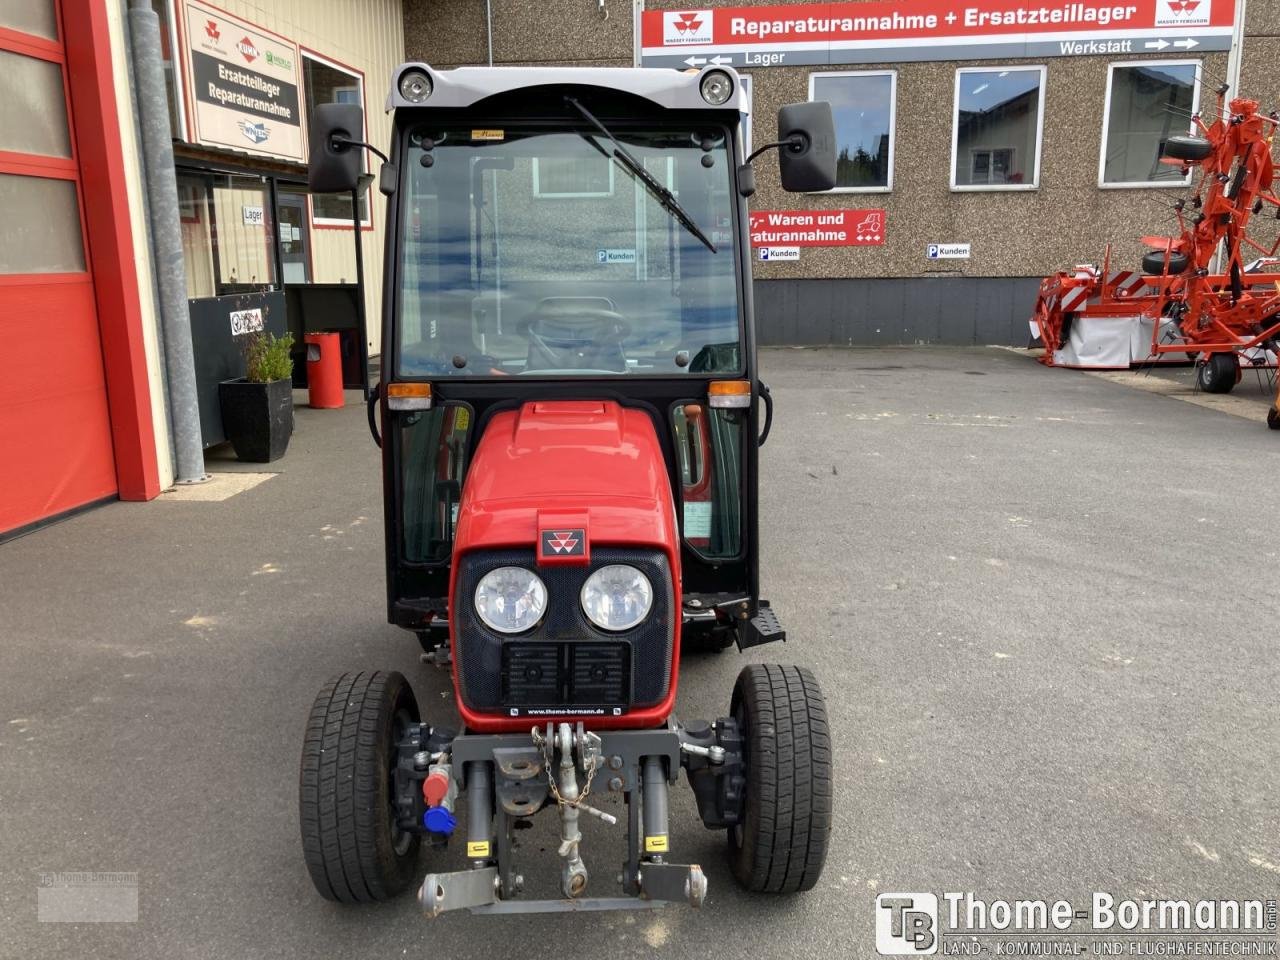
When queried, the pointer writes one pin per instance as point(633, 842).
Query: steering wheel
point(575, 337)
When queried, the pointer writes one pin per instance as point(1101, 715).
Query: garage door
point(55, 436)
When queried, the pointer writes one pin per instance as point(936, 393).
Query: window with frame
point(325, 82)
point(747, 88)
point(572, 177)
point(1147, 103)
point(998, 127)
point(864, 107)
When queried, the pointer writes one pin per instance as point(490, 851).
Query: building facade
point(993, 142)
point(84, 409)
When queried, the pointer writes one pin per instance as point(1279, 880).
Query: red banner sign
point(903, 30)
point(817, 228)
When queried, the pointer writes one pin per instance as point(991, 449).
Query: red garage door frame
point(111, 246)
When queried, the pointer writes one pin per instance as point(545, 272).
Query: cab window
point(529, 249)
point(433, 458)
point(709, 457)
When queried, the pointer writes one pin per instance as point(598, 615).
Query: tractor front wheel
point(781, 843)
point(1219, 373)
point(355, 851)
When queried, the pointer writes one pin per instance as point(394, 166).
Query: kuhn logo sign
point(1182, 13)
point(247, 50)
point(686, 27)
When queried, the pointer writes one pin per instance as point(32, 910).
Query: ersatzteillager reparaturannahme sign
point(243, 83)
point(890, 31)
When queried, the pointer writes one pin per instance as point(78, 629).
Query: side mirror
point(807, 157)
point(334, 167)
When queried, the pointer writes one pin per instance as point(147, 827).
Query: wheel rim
point(401, 840)
point(738, 830)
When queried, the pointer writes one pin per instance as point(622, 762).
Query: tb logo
point(906, 923)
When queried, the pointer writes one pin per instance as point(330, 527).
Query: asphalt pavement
point(1042, 606)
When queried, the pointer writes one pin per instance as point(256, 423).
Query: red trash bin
point(324, 370)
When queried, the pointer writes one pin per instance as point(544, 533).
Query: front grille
point(557, 674)
point(565, 660)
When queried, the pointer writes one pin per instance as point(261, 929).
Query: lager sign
point(244, 85)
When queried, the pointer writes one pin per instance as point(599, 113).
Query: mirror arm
point(338, 140)
point(796, 140)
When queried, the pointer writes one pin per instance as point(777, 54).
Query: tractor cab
point(569, 415)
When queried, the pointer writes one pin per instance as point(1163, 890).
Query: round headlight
point(415, 86)
point(511, 599)
point(617, 597)
point(717, 87)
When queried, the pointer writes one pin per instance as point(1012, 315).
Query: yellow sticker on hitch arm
point(655, 844)
point(477, 848)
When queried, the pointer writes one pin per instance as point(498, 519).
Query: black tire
point(1219, 373)
point(1192, 149)
point(1273, 419)
point(1153, 263)
point(781, 845)
point(354, 851)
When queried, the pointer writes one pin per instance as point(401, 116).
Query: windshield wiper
point(665, 197)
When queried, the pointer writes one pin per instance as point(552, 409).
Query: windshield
point(529, 250)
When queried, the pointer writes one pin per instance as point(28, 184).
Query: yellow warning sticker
point(655, 844)
point(488, 135)
point(461, 418)
point(477, 848)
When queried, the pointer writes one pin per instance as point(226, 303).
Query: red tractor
point(569, 419)
point(1206, 293)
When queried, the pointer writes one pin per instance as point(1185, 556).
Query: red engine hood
point(574, 463)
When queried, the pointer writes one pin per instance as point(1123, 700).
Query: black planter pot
point(257, 417)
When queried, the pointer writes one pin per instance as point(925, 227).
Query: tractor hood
point(562, 475)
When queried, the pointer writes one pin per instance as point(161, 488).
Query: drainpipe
point(488, 22)
point(1236, 55)
point(161, 184)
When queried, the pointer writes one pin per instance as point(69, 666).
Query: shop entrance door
point(295, 241)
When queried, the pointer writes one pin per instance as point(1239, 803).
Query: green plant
point(267, 357)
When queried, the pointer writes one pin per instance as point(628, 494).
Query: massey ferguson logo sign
point(1182, 13)
point(247, 50)
point(211, 30)
point(566, 543)
point(562, 542)
point(685, 27)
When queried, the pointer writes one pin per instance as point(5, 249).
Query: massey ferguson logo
point(686, 27)
point(565, 543)
point(247, 50)
point(211, 30)
point(1182, 13)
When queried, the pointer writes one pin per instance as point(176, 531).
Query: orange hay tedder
point(1203, 294)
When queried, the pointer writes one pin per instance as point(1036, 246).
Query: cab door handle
point(767, 397)
point(371, 405)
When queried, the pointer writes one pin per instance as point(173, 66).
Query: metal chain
point(547, 759)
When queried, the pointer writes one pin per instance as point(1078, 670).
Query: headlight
point(415, 86)
point(617, 597)
point(511, 599)
point(717, 86)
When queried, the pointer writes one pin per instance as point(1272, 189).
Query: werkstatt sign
point(817, 228)
point(244, 85)
point(893, 31)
